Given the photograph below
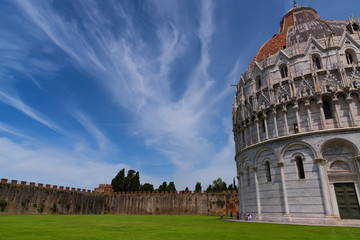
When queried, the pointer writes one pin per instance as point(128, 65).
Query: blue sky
point(90, 87)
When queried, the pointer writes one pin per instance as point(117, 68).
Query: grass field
point(13, 227)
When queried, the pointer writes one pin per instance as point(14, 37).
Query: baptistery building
point(296, 122)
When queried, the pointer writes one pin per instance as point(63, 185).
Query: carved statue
point(282, 97)
point(303, 90)
point(263, 104)
point(331, 87)
point(357, 84)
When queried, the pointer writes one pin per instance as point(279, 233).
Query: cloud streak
point(27, 110)
point(136, 67)
point(50, 165)
point(101, 140)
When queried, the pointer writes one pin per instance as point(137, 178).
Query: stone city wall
point(46, 199)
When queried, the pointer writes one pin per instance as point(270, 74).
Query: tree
point(129, 180)
point(217, 186)
point(234, 184)
point(125, 184)
point(147, 187)
point(119, 181)
point(198, 187)
point(135, 184)
point(186, 189)
point(163, 187)
point(171, 187)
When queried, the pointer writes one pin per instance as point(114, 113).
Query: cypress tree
point(198, 187)
point(171, 187)
point(118, 181)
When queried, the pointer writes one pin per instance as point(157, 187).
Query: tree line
point(131, 183)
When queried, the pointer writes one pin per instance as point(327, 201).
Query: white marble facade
point(296, 124)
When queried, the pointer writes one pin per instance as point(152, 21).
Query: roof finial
point(294, 3)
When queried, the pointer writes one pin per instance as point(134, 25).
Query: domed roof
point(296, 27)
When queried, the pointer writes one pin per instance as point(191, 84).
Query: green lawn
point(126, 227)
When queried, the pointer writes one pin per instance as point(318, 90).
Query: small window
point(300, 167)
point(267, 171)
point(350, 56)
point(259, 83)
point(248, 175)
point(263, 125)
point(355, 26)
point(317, 62)
point(243, 137)
point(284, 71)
point(327, 110)
point(296, 128)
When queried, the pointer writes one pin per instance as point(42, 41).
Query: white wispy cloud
point(5, 128)
point(54, 165)
point(27, 110)
point(100, 138)
point(16, 55)
point(138, 74)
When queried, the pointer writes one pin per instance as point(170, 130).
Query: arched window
point(327, 109)
point(258, 82)
point(267, 171)
point(243, 137)
point(316, 61)
point(284, 71)
point(350, 56)
point(300, 167)
point(248, 175)
point(340, 166)
point(263, 125)
point(296, 128)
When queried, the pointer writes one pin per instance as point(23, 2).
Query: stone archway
point(343, 176)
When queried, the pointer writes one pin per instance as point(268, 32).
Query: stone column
point(283, 186)
point(357, 191)
point(324, 185)
point(257, 130)
point(258, 203)
point(275, 124)
point(351, 109)
point(239, 141)
point(296, 107)
point(333, 200)
point(315, 82)
point(307, 104)
point(286, 122)
point(250, 134)
point(242, 206)
point(236, 139)
point(357, 163)
point(266, 128)
point(241, 138)
point(322, 115)
point(336, 105)
point(245, 137)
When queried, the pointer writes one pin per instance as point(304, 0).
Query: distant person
point(231, 214)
